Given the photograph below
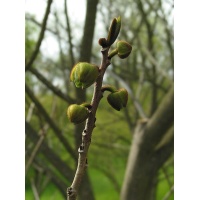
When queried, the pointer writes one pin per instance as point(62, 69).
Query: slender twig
point(41, 36)
point(89, 126)
point(30, 112)
point(40, 141)
point(166, 176)
point(31, 19)
point(52, 176)
point(63, 67)
point(49, 154)
point(69, 34)
point(154, 62)
point(36, 148)
point(35, 192)
point(57, 131)
point(48, 84)
point(168, 194)
point(141, 84)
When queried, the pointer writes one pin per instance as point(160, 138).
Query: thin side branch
point(69, 34)
point(49, 154)
point(48, 84)
point(30, 112)
point(36, 148)
point(42, 134)
point(41, 36)
point(57, 131)
point(168, 194)
point(35, 192)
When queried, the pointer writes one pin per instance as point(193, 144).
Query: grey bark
point(145, 159)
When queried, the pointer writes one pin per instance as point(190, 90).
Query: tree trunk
point(149, 151)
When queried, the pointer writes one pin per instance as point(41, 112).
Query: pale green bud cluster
point(84, 74)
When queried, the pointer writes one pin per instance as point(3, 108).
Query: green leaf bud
point(114, 30)
point(124, 49)
point(118, 99)
point(77, 113)
point(84, 74)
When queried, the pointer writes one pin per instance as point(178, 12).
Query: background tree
point(144, 130)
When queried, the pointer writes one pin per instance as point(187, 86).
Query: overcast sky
point(76, 8)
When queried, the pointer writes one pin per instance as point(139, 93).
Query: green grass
point(103, 188)
point(164, 184)
point(163, 188)
point(50, 193)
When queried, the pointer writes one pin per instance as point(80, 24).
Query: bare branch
point(69, 34)
point(162, 119)
point(51, 176)
point(166, 176)
point(168, 194)
point(57, 131)
point(154, 62)
point(42, 134)
point(30, 112)
point(48, 84)
point(41, 36)
point(36, 148)
point(33, 20)
point(34, 189)
point(55, 160)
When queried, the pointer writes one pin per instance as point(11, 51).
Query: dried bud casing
point(124, 49)
point(77, 113)
point(118, 99)
point(103, 42)
point(84, 74)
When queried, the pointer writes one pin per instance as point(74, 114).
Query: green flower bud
point(114, 30)
point(77, 113)
point(124, 49)
point(84, 74)
point(118, 99)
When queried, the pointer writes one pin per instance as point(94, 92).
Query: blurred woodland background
point(131, 154)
